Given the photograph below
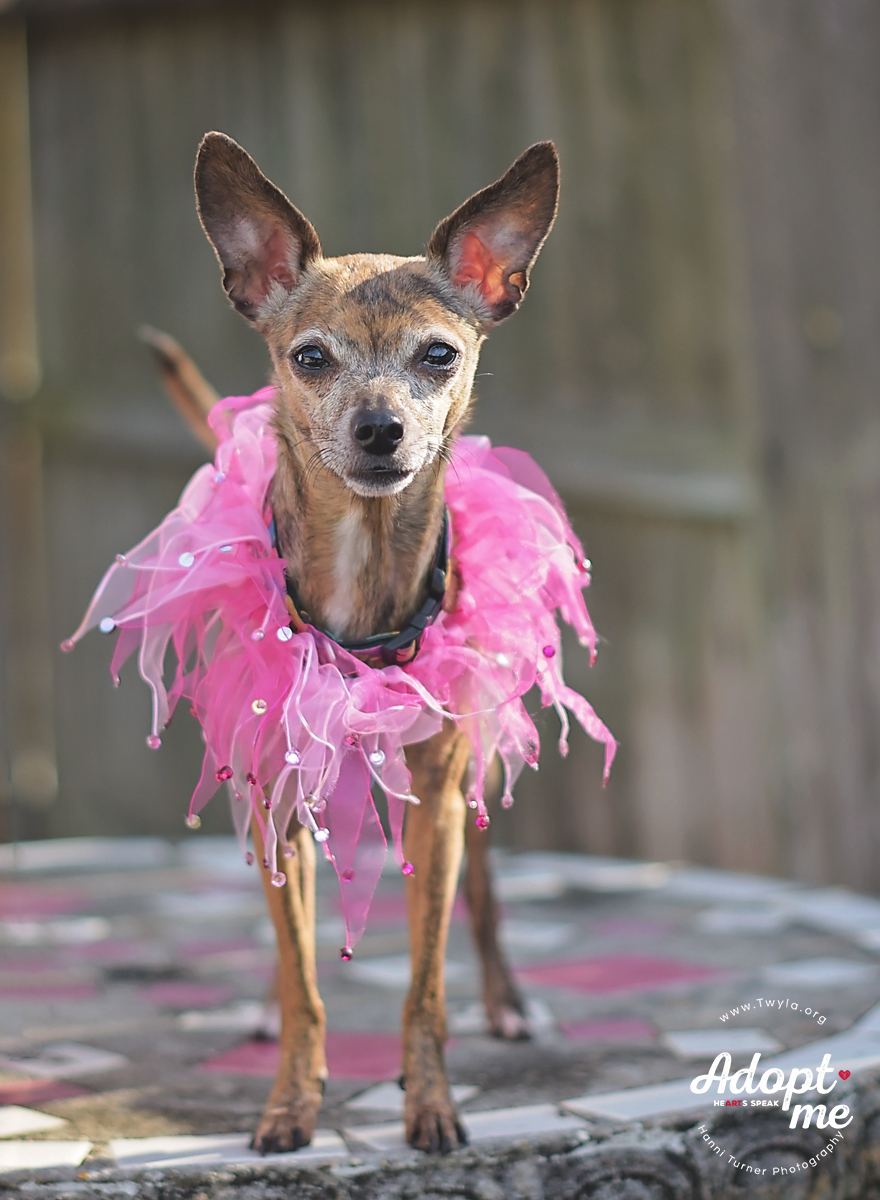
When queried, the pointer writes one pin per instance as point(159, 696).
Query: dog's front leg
point(433, 842)
point(288, 1121)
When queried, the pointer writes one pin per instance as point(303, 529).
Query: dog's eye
point(439, 354)
point(310, 358)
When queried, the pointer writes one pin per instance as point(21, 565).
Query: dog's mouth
point(379, 480)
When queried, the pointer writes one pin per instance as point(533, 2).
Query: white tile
point(868, 939)
point(216, 855)
point(855, 1050)
point(246, 1015)
point(87, 854)
point(635, 1104)
point(530, 936)
point(61, 931)
point(869, 1023)
point(389, 1097)
point(592, 873)
point(264, 932)
point(742, 920)
point(16, 1121)
point(220, 1149)
point(704, 882)
point(837, 910)
point(393, 970)
point(61, 1060)
point(706, 1043)
point(217, 905)
point(36, 1156)
point(330, 931)
point(388, 1137)
point(513, 885)
point(533, 1120)
point(820, 973)
point(472, 1018)
point(258, 958)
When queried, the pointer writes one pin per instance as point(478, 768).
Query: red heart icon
point(843, 1074)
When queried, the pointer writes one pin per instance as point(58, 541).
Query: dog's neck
point(359, 564)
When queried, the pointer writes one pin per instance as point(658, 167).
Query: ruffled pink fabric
point(294, 724)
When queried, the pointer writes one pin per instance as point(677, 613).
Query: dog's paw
point(509, 1024)
point(285, 1128)
point(434, 1128)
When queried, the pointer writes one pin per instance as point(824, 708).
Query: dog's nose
point(378, 432)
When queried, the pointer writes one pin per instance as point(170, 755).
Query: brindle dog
point(374, 361)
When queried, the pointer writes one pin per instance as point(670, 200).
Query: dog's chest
point(351, 552)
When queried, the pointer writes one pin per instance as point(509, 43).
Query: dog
point(374, 360)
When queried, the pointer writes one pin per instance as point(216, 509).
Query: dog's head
point(375, 355)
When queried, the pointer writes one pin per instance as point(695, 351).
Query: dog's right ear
point(262, 241)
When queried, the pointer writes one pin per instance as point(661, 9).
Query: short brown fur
point(365, 418)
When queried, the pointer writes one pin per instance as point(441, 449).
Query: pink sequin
point(519, 565)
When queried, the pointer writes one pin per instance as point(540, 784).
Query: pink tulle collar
point(293, 723)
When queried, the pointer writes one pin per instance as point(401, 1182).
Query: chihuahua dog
point(374, 360)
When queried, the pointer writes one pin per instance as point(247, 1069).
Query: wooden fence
point(696, 366)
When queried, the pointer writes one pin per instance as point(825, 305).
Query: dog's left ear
point(488, 245)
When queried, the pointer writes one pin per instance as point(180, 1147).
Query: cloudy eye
point(439, 354)
point(310, 358)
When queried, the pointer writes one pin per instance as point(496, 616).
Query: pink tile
point(113, 951)
point(38, 1091)
point(23, 901)
point(202, 949)
point(180, 994)
point(363, 1055)
point(251, 1058)
point(43, 976)
point(391, 910)
point(617, 973)
point(31, 964)
point(265, 974)
point(384, 910)
point(615, 1029)
point(48, 991)
point(627, 927)
point(349, 1056)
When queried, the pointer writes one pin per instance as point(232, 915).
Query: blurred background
point(697, 367)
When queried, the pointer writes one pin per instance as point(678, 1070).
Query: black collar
point(398, 646)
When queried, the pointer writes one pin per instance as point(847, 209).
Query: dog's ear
point(262, 241)
point(488, 245)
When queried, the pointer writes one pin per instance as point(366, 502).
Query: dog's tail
point(190, 392)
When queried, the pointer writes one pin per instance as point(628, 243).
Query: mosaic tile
point(617, 973)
